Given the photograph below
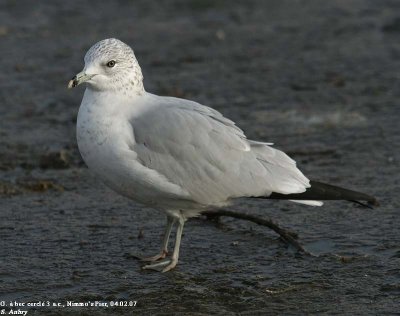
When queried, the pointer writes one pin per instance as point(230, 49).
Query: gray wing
point(195, 147)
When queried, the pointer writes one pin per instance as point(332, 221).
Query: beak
point(78, 79)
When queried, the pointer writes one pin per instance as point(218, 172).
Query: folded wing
point(195, 147)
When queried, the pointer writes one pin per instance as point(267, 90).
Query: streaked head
point(110, 65)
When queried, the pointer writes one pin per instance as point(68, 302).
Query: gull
point(176, 155)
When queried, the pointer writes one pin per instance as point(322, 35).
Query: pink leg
point(159, 256)
point(164, 250)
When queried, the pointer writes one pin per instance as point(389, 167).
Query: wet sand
point(319, 79)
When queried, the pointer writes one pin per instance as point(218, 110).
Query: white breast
point(104, 140)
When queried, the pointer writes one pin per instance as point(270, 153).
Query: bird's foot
point(162, 266)
point(159, 256)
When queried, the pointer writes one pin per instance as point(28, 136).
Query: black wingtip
point(370, 204)
point(324, 191)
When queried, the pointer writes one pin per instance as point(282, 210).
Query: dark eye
point(111, 63)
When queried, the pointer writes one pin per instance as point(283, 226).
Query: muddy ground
point(320, 79)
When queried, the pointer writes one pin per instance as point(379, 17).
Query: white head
point(110, 65)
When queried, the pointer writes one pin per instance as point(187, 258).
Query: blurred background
point(319, 79)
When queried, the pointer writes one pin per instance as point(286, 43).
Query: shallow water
point(318, 79)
